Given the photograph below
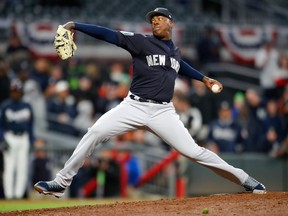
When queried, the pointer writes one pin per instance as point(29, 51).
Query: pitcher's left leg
point(168, 126)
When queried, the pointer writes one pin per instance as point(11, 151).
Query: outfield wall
point(272, 172)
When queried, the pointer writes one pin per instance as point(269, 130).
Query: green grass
point(14, 205)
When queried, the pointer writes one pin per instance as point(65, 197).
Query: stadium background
point(241, 27)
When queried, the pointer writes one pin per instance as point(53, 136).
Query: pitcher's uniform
point(156, 64)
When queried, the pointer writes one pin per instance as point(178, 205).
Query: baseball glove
point(64, 44)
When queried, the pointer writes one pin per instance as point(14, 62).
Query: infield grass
point(15, 205)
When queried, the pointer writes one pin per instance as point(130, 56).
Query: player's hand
point(210, 82)
point(69, 25)
point(63, 42)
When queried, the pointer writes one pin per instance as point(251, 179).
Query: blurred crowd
point(67, 97)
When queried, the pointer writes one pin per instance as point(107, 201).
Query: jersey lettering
point(175, 64)
point(155, 60)
point(18, 116)
point(224, 133)
point(160, 60)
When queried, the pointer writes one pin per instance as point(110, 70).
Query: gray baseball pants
point(163, 120)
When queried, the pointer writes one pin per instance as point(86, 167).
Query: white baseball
point(215, 88)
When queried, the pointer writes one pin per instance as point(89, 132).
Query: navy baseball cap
point(158, 12)
point(225, 105)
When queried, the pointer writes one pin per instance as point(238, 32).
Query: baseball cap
point(61, 86)
point(16, 85)
point(225, 105)
point(158, 11)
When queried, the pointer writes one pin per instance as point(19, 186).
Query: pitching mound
point(272, 203)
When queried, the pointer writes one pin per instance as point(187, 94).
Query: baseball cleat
point(49, 188)
point(254, 186)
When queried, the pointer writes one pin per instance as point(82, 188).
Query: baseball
point(215, 88)
point(205, 211)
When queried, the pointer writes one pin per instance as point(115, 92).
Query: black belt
point(134, 97)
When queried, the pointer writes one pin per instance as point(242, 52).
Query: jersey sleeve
point(98, 32)
point(131, 42)
point(187, 70)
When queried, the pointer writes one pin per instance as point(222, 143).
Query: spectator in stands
point(272, 129)
point(75, 69)
point(152, 142)
point(255, 103)
point(85, 117)
point(190, 116)
point(266, 60)
point(202, 99)
point(255, 114)
point(281, 77)
point(107, 180)
point(123, 89)
point(134, 170)
point(22, 71)
point(208, 48)
point(40, 73)
point(86, 91)
point(62, 110)
point(94, 73)
point(41, 166)
point(249, 127)
point(238, 103)
point(108, 175)
point(56, 74)
point(224, 133)
point(283, 107)
point(283, 111)
point(15, 45)
point(98, 87)
point(249, 123)
point(33, 95)
point(117, 73)
point(283, 149)
point(181, 86)
point(16, 52)
point(109, 97)
point(85, 174)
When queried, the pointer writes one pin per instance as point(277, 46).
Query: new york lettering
point(160, 60)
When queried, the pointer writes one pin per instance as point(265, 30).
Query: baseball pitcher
point(156, 64)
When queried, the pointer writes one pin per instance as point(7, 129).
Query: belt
point(134, 97)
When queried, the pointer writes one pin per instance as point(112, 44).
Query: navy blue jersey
point(156, 62)
point(16, 117)
point(155, 65)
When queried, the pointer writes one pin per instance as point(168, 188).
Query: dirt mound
point(272, 204)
